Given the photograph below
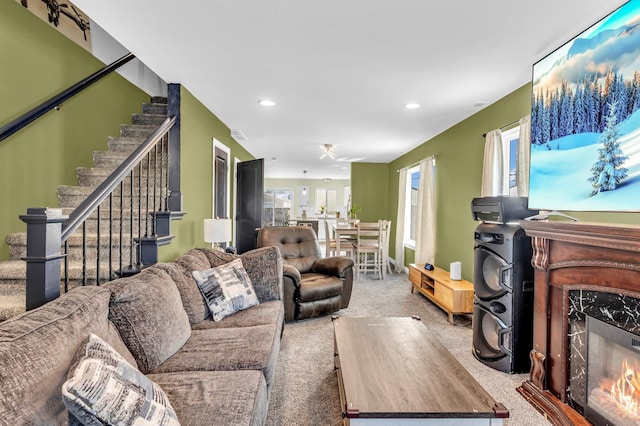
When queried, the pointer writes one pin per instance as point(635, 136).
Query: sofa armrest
point(337, 266)
point(293, 274)
point(264, 267)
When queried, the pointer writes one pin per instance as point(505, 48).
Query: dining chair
point(368, 248)
point(330, 244)
point(386, 265)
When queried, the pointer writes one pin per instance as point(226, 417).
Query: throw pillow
point(227, 289)
point(102, 388)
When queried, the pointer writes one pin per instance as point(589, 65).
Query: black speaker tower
point(503, 286)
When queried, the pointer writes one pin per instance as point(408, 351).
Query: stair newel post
point(174, 199)
point(44, 255)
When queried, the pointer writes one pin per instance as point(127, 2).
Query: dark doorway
point(250, 199)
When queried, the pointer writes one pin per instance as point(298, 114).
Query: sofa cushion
point(227, 289)
point(234, 398)
point(103, 388)
point(264, 266)
point(37, 348)
point(225, 349)
point(318, 287)
point(180, 271)
point(147, 310)
point(271, 312)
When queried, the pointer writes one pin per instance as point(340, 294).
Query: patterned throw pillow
point(102, 388)
point(227, 289)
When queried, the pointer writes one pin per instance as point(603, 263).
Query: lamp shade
point(217, 230)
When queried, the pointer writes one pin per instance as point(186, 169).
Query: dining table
point(349, 232)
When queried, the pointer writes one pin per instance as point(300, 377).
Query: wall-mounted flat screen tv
point(585, 119)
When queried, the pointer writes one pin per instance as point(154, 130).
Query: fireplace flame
point(626, 390)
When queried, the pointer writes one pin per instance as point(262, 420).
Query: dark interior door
point(249, 196)
point(221, 184)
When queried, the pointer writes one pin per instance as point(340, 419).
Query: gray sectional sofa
point(211, 372)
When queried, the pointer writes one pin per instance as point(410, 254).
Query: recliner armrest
point(335, 266)
point(292, 273)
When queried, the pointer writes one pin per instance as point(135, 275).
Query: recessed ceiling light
point(267, 102)
point(412, 105)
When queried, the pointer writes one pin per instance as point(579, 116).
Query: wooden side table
point(455, 297)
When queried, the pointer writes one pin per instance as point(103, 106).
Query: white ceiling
point(342, 70)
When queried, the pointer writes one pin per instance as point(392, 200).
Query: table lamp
point(217, 231)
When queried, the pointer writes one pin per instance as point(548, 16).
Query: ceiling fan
point(328, 151)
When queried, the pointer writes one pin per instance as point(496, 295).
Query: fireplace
point(613, 375)
point(586, 344)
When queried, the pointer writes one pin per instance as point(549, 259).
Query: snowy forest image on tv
point(585, 120)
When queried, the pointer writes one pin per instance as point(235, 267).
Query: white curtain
point(524, 146)
point(426, 214)
point(402, 202)
point(492, 170)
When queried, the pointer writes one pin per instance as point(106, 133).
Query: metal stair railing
point(48, 230)
point(55, 101)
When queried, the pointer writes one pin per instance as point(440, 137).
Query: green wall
point(370, 191)
point(198, 129)
point(459, 154)
point(37, 63)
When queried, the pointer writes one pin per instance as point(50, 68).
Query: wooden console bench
point(393, 371)
point(452, 296)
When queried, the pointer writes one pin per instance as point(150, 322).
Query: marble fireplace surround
point(578, 266)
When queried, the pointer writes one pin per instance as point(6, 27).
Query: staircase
point(13, 271)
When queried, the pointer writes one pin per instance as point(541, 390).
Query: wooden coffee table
point(393, 371)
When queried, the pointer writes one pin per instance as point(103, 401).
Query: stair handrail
point(93, 201)
point(37, 112)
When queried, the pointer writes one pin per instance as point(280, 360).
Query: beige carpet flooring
point(305, 391)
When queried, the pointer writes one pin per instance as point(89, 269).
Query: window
point(326, 198)
point(510, 166)
point(277, 206)
point(411, 211)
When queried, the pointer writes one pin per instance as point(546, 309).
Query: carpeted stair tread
point(121, 143)
point(154, 108)
point(112, 159)
point(72, 196)
point(11, 306)
point(136, 130)
point(94, 176)
point(13, 270)
point(146, 119)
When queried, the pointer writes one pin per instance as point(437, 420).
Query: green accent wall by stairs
point(37, 63)
point(198, 129)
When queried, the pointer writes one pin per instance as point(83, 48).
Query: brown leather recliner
point(313, 285)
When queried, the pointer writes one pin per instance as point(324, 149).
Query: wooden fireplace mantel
point(571, 256)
